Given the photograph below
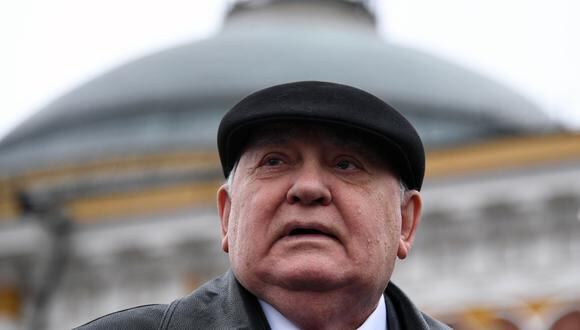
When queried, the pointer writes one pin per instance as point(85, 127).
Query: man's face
point(310, 208)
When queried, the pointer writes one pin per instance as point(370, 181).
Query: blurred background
point(108, 164)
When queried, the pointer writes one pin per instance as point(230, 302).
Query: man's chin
point(307, 277)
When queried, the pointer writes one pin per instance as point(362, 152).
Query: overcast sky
point(49, 47)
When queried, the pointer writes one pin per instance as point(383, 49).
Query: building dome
point(107, 195)
point(173, 100)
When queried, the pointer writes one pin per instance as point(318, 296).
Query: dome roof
point(174, 99)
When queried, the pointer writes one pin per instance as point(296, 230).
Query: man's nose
point(309, 188)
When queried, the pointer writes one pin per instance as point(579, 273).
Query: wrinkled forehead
point(326, 134)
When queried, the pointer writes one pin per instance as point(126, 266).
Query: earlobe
point(410, 220)
point(223, 205)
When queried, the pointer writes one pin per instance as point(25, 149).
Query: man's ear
point(410, 220)
point(223, 205)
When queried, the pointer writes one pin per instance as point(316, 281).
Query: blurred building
point(107, 196)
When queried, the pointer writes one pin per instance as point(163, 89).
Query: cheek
point(252, 212)
point(383, 215)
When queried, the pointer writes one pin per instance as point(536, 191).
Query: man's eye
point(273, 162)
point(345, 165)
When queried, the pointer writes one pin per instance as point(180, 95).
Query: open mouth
point(306, 231)
point(309, 232)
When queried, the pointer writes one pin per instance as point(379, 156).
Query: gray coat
point(224, 304)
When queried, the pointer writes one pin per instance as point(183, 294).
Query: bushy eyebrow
point(278, 135)
point(357, 145)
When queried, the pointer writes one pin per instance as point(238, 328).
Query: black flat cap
point(328, 103)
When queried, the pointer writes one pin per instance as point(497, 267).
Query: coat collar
point(224, 303)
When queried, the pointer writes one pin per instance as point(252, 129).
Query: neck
point(328, 310)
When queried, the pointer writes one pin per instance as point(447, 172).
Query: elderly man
point(322, 196)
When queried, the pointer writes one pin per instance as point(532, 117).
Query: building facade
point(107, 196)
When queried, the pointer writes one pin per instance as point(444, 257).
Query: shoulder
point(141, 317)
point(402, 313)
point(221, 303)
point(434, 324)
